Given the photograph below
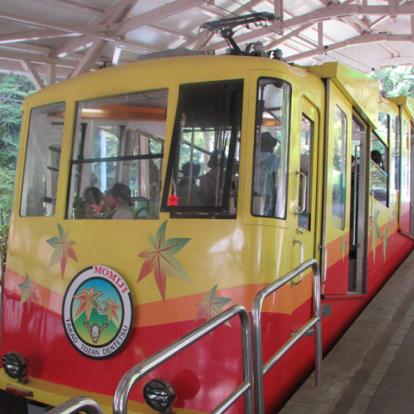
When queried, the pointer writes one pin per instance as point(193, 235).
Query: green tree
point(396, 81)
point(13, 90)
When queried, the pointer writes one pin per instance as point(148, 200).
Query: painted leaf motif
point(62, 250)
point(88, 301)
point(111, 309)
point(376, 234)
point(28, 290)
point(211, 305)
point(160, 259)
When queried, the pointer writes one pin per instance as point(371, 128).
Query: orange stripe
point(286, 300)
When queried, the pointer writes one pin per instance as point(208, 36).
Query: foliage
point(13, 90)
point(396, 81)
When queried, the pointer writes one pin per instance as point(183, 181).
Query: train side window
point(405, 162)
point(271, 149)
point(202, 173)
point(396, 151)
point(379, 169)
point(117, 157)
point(339, 168)
point(41, 168)
point(384, 126)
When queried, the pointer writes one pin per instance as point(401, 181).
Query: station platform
point(371, 368)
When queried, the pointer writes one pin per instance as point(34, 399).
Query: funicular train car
point(154, 196)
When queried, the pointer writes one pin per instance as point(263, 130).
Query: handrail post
point(77, 404)
point(315, 323)
point(318, 325)
point(152, 362)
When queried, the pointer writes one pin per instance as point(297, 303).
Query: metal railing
point(261, 369)
point(149, 364)
point(77, 404)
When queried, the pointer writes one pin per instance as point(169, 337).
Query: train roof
point(363, 92)
point(175, 69)
point(406, 102)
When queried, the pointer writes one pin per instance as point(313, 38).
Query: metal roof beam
point(89, 59)
point(117, 11)
point(92, 31)
point(288, 36)
point(32, 73)
point(157, 14)
point(33, 35)
point(38, 58)
point(367, 38)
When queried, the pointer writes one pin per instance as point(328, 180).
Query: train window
point(405, 162)
point(396, 151)
point(379, 169)
point(271, 149)
point(339, 168)
point(384, 126)
point(203, 167)
point(117, 156)
point(305, 169)
point(41, 168)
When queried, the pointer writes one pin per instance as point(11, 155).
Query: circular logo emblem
point(97, 312)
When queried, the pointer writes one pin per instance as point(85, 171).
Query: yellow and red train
point(152, 197)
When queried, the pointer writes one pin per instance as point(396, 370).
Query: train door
point(336, 215)
point(358, 206)
point(306, 174)
point(282, 207)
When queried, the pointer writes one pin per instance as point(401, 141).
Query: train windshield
point(203, 167)
point(117, 156)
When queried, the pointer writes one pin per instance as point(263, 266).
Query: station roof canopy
point(52, 40)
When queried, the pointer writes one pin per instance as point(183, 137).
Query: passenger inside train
point(118, 202)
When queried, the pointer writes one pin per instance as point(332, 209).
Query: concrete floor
point(371, 369)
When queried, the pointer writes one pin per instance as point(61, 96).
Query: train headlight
point(15, 366)
point(159, 395)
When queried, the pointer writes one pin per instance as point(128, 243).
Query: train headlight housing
point(15, 366)
point(159, 395)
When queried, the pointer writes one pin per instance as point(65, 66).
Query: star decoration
point(211, 305)
point(161, 260)
point(62, 249)
point(28, 290)
point(88, 301)
point(111, 309)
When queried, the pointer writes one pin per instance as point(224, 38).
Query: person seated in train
point(266, 172)
point(188, 191)
point(94, 202)
point(210, 187)
point(118, 202)
point(377, 158)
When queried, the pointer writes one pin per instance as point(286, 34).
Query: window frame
point(288, 134)
point(26, 151)
point(205, 211)
point(82, 161)
point(385, 171)
point(309, 197)
point(343, 217)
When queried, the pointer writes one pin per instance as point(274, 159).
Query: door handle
point(302, 207)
